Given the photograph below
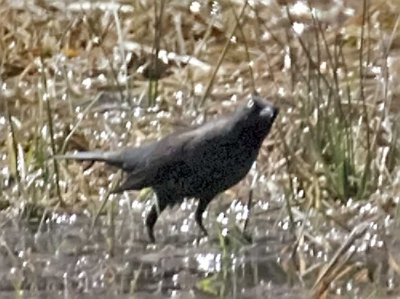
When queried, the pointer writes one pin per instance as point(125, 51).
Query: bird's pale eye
point(250, 104)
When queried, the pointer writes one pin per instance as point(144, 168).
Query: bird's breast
point(214, 169)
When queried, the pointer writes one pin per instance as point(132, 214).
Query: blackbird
point(199, 162)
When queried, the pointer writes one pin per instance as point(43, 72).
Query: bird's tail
point(86, 156)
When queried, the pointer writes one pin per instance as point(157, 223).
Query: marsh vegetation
point(317, 216)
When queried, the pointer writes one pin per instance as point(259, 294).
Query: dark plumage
point(200, 162)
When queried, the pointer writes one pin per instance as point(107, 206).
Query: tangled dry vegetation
point(78, 77)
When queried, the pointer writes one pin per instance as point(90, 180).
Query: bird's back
point(198, 163)
point(172, 160)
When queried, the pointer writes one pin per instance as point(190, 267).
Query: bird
point(199, 162)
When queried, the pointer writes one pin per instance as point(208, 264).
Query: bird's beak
point(269, 112)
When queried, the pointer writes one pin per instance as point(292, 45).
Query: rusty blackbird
point(199, 162)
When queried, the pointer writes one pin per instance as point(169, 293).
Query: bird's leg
point(203, 203)
point(151, 219)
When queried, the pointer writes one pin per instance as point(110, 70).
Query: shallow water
point(57, 254)
point(63, 256)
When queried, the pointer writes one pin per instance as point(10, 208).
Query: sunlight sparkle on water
point(195, 7)
point(349, 286)
point(198, 89)
point(322, 255)
point(222, 219)
point(163, 55)
point(188, 205)
point(298, 27)
point(287, 61)
point(83, 6)
point(122, 77)
point(229, 102)
point(185, 226)
point(264, 205)
point(282, 91)
point(179, 97)
point(366, 209)
point(102, 78)
point(63, 218)
point(215, 8)
point(377, 70)
point(242, 215)
point(375, 242)
point(5, 171)
point(3, 87)
point(285, 225)
point(137, 112)
point(163, 114)
point(299, 8)
point(349, 11)
point(13, 271)
point(209, 262)
point(104, 135)
point(87, 83)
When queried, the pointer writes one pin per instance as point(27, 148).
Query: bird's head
point(257, 115)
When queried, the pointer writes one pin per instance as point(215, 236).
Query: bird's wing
point(207, 137)
point(150, 164)
point(133, 158)
point(159, 160)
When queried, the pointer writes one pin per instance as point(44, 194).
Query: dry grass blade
point(14, 149)
point(76, 126)
point(221, 57)
point(115, 182)
point(325, 278)
point(331, 162)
